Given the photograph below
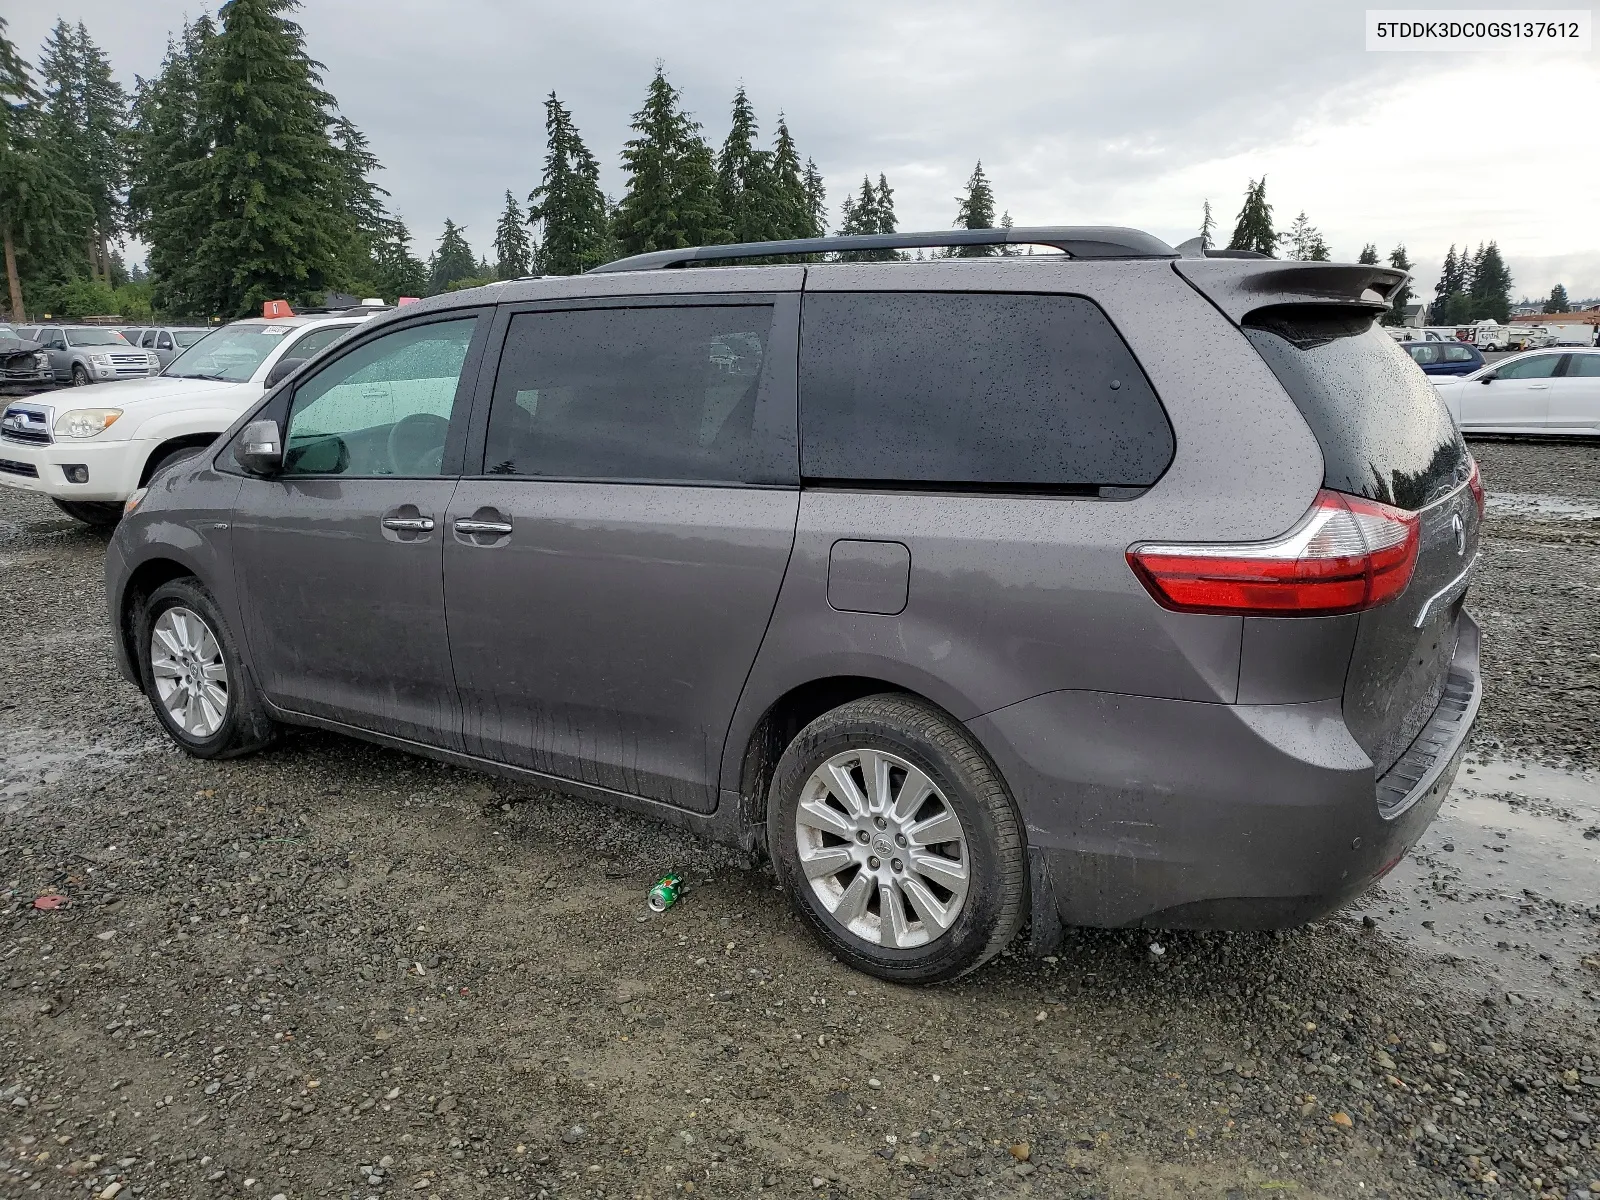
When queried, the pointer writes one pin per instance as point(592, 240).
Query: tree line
point(238, 171)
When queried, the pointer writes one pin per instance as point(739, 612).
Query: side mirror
point(260, 448)
point(281, 370)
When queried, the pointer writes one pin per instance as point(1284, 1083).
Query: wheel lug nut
point(874, 862)
point(861, 835)
point(897, 865)
point(880, 823)
point(899, 839)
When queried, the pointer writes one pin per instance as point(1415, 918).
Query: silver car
point(169, 341)
point(1115, 586)
point(84, 354)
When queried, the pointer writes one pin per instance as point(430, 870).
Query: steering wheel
point(416, 444)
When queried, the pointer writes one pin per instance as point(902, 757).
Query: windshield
point(85, 335)
point(188, 337)
point(231, 353)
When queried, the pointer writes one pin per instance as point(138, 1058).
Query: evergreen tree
point(745, 187)
point(273, 188)
point(976, 211)
point(1253, 230)
point(816, 201)
point(396, 271)
point(452, 261)
point(42, 214)
point(673, 196)
point(1491, 285)
point(568, 204)
point(1446, 289)
point(1369, 255)
point(1007, 251)
point(1206, 226)
point(85, 115)
point(884, 209)
point(366, 204)
point(1305, 241)
point(512, 251)
point(791, 215)
point(1400, 261)
point(869, 211)
point(1558, 302)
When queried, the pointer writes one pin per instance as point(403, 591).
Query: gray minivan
point(1111, 586)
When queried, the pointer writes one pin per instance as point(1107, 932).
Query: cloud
point(1081, 112)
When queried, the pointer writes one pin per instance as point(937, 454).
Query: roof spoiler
point(1239, 287)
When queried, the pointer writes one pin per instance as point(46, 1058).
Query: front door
point(610, 574)
point(1575, 395)
point(338, 558)
point(1517, 397)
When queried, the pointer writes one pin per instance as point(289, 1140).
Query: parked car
point(24, 364)
point(91, 453)
point(170, 341)
point(85, 354)
point(1444, 358)
point(980, 604)
point(1542, 391)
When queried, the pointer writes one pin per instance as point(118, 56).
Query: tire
point(80, 375)
point(241, 724)
point(170, 458)
point(905, 734)
point(100, 514)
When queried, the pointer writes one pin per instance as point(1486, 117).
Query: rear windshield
point(1384, 432)
point(188, 337)
point(83, 335)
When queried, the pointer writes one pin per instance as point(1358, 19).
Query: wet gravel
point(333, 970)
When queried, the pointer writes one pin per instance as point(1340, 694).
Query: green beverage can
point(665, 893)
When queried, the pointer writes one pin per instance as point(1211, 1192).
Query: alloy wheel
point(190, 675)
point(882, 849)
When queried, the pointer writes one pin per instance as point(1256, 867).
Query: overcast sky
point(1082, 113)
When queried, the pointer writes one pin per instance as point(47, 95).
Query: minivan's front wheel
point(193, 676)
point(897, 841)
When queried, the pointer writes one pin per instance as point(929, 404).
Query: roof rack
point(1083, 241)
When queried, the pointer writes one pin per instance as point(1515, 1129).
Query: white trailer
point(1572, 333)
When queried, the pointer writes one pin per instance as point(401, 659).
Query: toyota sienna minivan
point(1106, 586)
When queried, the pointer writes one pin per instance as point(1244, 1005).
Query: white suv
point(91, 448)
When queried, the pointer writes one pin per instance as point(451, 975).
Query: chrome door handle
point(466, 525)
point(409, 524)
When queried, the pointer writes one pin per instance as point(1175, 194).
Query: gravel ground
point(333, 970)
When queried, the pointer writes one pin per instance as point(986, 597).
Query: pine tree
point(1558, 302)
point(273, 187)
point(169, 144)
point(365, 201)
point(397, 272)
point(816, 201)
point(887, 221)
point(869, 211)
point(568, 204)
point(1206, 226)
point(976, 211)
point(1443, 291)
point(1400, 261)
point(790, 201)
point(1253, 230)
point(672, 199)
point(1305, 241)
point(513, 254)
point(1369, 255)
point(745, 190)
point(453, 259)
point(1491, 285)
point(42, 214)
point(1007, 251)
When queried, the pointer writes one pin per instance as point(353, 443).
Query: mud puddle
point(1505, 885)
point(34, 758)
point(1543, 507)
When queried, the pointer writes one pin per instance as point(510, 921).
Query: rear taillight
point(1346, 555)
point(1475, 486)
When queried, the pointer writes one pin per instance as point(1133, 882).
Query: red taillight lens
point(1475, 486)
point(1348, 554)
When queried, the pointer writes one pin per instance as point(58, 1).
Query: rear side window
point(1384, 432)
point(663, 394)
point(974, 390)
point(1584, 366)
point(1425, 356)
point(1458, 354)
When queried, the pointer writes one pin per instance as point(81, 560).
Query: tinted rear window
point(1384, 432)
point(975, 390)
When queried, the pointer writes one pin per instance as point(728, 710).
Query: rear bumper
point(1167, 813)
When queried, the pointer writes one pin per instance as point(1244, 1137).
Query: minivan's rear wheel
point(193, 676)
point(897, 841)
point(102, 514)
